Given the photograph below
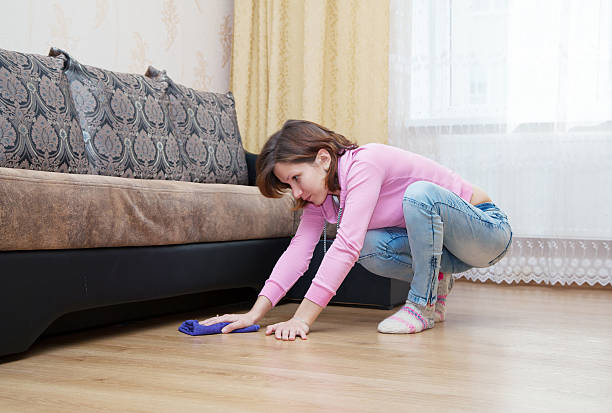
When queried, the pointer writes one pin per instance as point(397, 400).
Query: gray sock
point(445, 285)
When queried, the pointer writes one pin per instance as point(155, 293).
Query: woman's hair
point(299, 141)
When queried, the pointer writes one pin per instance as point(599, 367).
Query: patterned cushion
point(125, 126)
point(207, 127)
point(38, 124)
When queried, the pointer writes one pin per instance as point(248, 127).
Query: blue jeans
point(443, 233)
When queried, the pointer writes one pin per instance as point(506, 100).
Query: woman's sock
point(411, 318)
point(440, 309)
point(445, 285)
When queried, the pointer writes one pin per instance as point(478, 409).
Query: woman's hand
point(236, 321)
point(288, 330)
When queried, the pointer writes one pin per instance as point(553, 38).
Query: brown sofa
point(119, 188)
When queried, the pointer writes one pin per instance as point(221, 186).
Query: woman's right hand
point(236, 321)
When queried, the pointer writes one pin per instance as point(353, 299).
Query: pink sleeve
point(295, 260)
point(363, 187)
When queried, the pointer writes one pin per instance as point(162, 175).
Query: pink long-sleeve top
point(373, 179)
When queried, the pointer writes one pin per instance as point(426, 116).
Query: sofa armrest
point(251, 158)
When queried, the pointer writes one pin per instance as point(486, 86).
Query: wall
point(191, 39)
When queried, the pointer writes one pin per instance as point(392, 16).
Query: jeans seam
point(469, 215)
point(433, 263)
point(393, 237)
point(374, 254)
point(505, 250)
point(378, 254)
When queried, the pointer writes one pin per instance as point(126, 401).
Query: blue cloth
point(194, 328)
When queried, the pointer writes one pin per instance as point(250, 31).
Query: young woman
point(399, 215)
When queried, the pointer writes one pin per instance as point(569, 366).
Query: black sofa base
point(41, 286)
point(360, 287)
point(52, 292)
point(130, 312)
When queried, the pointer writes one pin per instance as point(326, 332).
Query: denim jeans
point(443, 233)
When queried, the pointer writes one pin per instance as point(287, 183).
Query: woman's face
point(307, 180)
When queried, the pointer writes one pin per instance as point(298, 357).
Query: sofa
point(120, 188)
point(124, 196)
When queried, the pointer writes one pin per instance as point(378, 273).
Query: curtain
point(324, 61)
point(516, 96)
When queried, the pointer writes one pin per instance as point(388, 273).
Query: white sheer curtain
point(516, 96)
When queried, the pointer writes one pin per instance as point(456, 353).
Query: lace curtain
point(516, 97)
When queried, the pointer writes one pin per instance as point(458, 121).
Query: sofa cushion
point(207, 125)
point(39, 128)
point(125, 126)
point(47, 210)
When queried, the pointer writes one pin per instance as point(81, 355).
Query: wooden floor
point(502, 349)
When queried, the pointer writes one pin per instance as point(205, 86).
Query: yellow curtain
point(323, 61)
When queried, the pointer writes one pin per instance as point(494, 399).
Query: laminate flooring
point(502, 349)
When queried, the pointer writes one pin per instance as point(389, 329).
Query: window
point(515, 62)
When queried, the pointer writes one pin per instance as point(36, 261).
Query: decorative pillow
point(207, 127)
point(38, 124)
point(124, 122)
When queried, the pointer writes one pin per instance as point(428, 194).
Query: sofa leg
point(21, 329)
point(26, 311)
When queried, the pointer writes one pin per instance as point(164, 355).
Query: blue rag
point(194, 328)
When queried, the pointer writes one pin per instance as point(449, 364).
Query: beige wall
point(191, 39)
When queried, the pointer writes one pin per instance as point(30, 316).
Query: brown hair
point(299, 141)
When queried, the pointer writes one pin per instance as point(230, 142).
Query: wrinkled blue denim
point(443, 233)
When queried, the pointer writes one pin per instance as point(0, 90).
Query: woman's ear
point(324, 159)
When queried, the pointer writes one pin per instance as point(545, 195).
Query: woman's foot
point(411, 318)
point(445, 285)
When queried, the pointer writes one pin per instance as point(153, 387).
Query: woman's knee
point(422, 192)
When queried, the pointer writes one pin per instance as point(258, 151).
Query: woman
point(399, 215)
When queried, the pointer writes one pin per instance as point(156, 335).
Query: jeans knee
point(421, 191)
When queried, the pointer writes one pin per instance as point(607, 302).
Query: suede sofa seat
point(50, 211)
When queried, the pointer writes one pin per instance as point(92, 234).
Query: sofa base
point(41, 286)
point(360, 288)
point(129, 312)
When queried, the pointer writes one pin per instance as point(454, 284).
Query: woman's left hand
point(288, 330)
